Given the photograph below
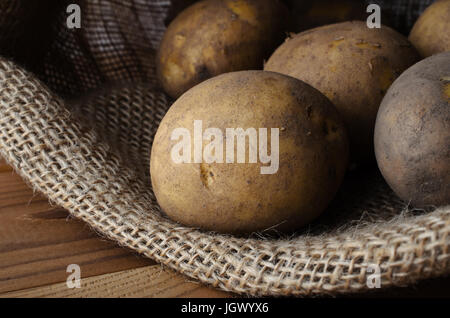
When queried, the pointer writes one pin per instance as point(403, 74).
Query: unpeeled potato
point(212, 37)
point(431, 32)
point(412, 133)
point(241, 197)
point(353, 66)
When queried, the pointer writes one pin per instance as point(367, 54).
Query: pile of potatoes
point(317, 95)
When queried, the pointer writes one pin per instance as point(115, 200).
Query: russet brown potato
point(237, 197)
point(412, 133)
point(353, 66)
point(431, 32)
point(212, 37)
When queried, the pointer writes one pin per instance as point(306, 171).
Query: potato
point(353, 66)
point(412, 133)
point(213, 37)
point(298, 128)
point(431, 32)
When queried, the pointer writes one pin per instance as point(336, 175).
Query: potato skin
point(353, 66)
point(431, 32)
point(412, 133)
point(213, 37)
point(236, 197)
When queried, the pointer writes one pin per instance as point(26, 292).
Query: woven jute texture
point(87, 149)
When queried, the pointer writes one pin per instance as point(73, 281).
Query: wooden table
point(38, 241)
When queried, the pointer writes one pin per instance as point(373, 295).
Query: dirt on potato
point(213, 37)
point(412, 133)
point(298, 123)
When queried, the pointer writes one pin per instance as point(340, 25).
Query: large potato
point(213, 37)
point(242, 197)
point(352, 65)
point(431, 32)
point(412, 133)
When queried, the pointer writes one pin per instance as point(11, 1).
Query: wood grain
point(39, 241)
point(149, 281)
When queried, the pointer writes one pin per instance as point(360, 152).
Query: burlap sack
point(88, 151)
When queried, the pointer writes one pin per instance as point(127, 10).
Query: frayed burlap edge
point(77, 170)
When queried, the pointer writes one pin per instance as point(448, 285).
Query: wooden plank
point(156, 281)
point(39, 241)
point(4, 167)
point(149, 281)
